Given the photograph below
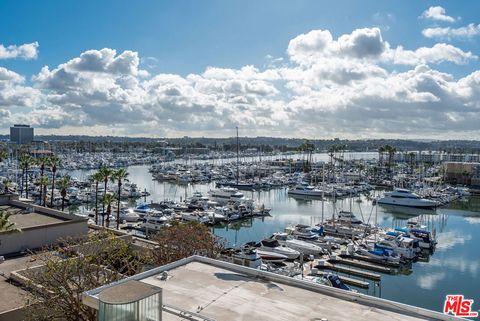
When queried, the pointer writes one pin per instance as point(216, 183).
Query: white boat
point(270, 245)
point(348, 217)
point(404, 197)
point(128, 215)
point(305, 190)
point(293, 243)
point(225, 194)
point(272, 257)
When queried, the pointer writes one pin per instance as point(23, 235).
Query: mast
point(237, 155)
point(323, 189)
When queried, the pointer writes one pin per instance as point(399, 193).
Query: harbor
point(452, 266)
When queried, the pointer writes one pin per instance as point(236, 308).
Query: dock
point(349, 271)
point(348, 280)
point(362, 264)
point(360, 258)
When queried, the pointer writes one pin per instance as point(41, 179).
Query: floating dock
point(347, 270)
point(362, 264)
point(369, 260)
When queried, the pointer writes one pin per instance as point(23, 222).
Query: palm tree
point(105, 173)
point(97, 177)
point(5, 224)
point(53, 162)
point(108, 200)
point(120, 176)
point(43, 181)
point(63, 184)
point(381, 151)
point(6, 185)
point(42, 162)
point(25, 162)
point(3, 155)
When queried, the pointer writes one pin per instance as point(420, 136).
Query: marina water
point(453, 268)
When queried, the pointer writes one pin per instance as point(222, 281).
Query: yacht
point(293, 243)
point(405, 197)
point(225, 194)
point(270, 245)
point(305, 190)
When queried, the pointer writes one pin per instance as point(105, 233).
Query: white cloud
point(367, 44)
point(437, 13)
point(26, 51)
point(468, 31)
point(326, 87)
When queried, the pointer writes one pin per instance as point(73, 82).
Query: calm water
point(453, 268)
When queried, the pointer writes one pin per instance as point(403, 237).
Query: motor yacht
point(405, 197)
point(270, 245)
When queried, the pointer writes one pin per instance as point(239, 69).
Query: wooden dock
point(362, 264)
point(370, 260)
point(349, 271)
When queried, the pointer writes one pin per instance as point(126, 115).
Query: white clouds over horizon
point(348, 86)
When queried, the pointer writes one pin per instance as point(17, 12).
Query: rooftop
point(24, 218)
point(223, 291)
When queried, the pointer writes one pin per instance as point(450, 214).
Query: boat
point(293, 243)
point(271, 245)
point(378, 253)
point(245, 256)
point(271, 257)
point(348, 217)
point(405, 197)
point(305, 190)
point(225, 194)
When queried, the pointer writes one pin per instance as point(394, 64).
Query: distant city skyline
point(314, 69)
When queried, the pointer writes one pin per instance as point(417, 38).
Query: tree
point(42, 162)
point(63, 184)
point(108, 199)
point(43, 182)
point(120, 176)
point(6, 185)
point(183, 240)
point(97, 177)
point(93, 261)
point(105, 173)
point(5, 224)
point(53, 162)
point(25, 162)
point(3, 155)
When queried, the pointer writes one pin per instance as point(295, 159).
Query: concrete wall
point(38, 237)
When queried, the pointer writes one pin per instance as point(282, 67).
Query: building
point(199, 288)
point(21, 134)
point(463, 173)
point(39, 226)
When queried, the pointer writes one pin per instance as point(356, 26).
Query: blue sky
point(183, 38)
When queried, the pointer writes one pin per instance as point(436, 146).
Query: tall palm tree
point(25, 162)
point(106, 173)
point(5, 224)
point(63, 184)
point(53, 163)
point(97, 177)
point(42, 162)
point(120, 176)
point(43, 181)
point(108, 199)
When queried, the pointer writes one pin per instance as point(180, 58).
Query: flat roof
point(128, 292)
point(11, 295)
point(24, 218)
point(222, 291)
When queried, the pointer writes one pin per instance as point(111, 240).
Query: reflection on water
point(453, 268)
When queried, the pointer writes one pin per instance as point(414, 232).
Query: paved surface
point(11, 296)
point(225, 295)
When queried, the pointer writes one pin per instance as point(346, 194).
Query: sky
point(307, 69)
